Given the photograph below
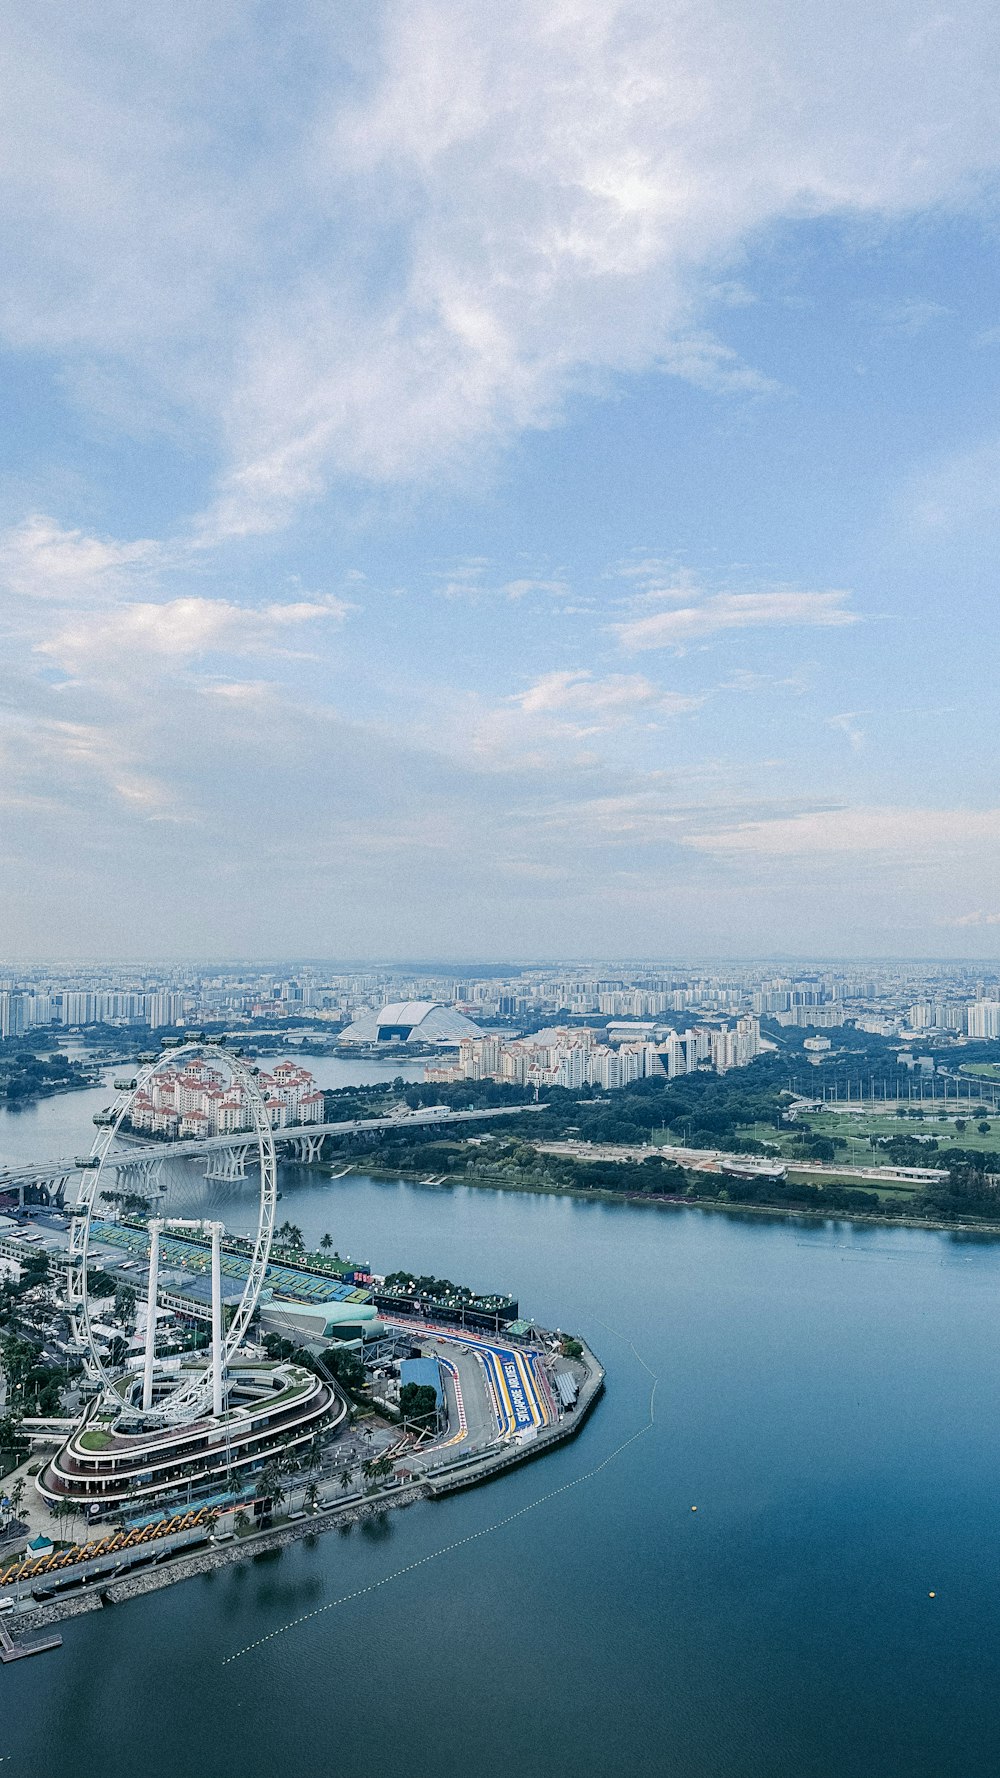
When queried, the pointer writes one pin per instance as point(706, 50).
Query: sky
point(496, 481)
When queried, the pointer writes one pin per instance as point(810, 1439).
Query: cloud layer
point(353, 257)
point(466, 213)
point(781, 609)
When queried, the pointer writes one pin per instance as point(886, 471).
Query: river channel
point(827, 1398)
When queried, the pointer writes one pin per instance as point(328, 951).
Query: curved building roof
point(411, 1021)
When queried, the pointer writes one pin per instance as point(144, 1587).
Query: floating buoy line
point(472, 1537)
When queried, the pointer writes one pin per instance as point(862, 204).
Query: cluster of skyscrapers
point(25, 1009)
point(571, 1056)
point(959, 999)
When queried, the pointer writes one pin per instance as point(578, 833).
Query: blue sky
point(484, 484)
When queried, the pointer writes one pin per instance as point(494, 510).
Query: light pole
point(154, 1267)
point(217, 1353)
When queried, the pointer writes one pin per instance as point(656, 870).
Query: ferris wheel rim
point(189, 1396)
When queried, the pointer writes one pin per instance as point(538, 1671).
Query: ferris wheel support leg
point(217, 1319)
point(154, 1272)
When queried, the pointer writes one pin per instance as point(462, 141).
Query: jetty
point(17, 1651)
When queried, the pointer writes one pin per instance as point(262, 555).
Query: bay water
point(826, 1396)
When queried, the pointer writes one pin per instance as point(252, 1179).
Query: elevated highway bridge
point(226, 1157)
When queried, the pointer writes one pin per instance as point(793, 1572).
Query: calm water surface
point(828, 1398)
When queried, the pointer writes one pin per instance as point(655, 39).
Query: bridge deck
point(42, 1172)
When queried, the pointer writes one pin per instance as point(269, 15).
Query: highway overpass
point(227, 1156)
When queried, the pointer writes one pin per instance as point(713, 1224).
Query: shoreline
point(48, 1091)
point(100, 1593)
point(655, 1201)
point(474, 1470)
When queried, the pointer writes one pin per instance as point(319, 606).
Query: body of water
point(827, 1399)
point(62, 1124)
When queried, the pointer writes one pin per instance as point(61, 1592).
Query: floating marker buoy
point(694, 1509)
point(932, 1595)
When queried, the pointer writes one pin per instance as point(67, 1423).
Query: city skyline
point(591, 535)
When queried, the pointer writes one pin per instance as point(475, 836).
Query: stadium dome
point(411, 1021)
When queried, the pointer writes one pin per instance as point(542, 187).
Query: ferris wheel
point(194, 1393)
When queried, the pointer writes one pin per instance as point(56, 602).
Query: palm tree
point(241, 1522)
point(310, 1497)
point(326, 1243)
point(270, 1484)
point(345, 1475)
point(16, 1496)
point(288, 1464)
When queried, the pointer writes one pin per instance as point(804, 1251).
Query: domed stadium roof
point(411, 1021)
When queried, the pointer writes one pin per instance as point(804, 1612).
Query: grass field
point(889, 1191)
point(856, 1128)
point(984, 1070)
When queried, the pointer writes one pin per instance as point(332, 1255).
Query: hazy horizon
point(496, 965)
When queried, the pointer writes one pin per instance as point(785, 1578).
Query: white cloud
point(618, 697)
point(39, 559)
point(780, 608)
point(849, 726)
point(467, 580)
point(509, 204)
point(910, 316)
point(181, 629)
point(858, 830)
point(556, 717)
point(978, 918)
point(956, 494)
point(710, 364)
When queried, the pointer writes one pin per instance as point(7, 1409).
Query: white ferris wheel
point(202, 1390)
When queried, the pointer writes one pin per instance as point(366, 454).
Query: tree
point(60, 1510)
point(983, 1127)
point(310, 1497)
point(270, 1484)
point(125, 1304)
point(242, 1521)
point(418, 1403)
point(346, 1367)
point(326, 1243)
point(11, 1436)
point(346, 1472)
point(376, 1469)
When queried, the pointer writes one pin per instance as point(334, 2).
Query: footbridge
point(137, 1163)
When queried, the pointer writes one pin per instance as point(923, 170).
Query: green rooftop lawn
point(94, 1441)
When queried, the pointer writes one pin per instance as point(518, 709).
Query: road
point(136, 1151)
point(504, 1394)
point(709, 1160)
